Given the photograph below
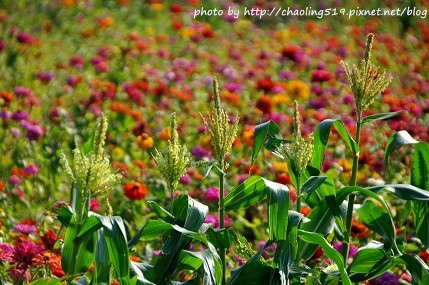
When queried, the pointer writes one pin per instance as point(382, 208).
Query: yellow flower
point(280, 99)
point(117, 153)
point(145, 141)
point(280, 166)
point(297, 89)
point(157, 7)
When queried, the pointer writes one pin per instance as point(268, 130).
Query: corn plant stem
point(222, 216)
point(172, 200)
point(351, 200)
point(298, 194)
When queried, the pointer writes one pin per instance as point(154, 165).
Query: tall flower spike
point(218, 126)
point(365, 81)
point(91, 172)
point(173, 162)
point(300, 150)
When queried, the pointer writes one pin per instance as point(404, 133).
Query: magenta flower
point(212, 195)
point(185, 179)
point(14, 180)
point(25, 228)
point(31, 169)
point(20, 116)
point(94, 205)
point(6, 252)
point(22, 91)
point(34, 132)
point(320, 75)
point(77, 62)
point(45, 76)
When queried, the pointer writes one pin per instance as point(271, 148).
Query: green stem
point(171, 190)
point(298, 194)
point(351, 201)
point(222, 217)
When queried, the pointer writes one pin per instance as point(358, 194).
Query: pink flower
point(6, 252)
point(212, 194)
point(94, 205)
point(320, 75)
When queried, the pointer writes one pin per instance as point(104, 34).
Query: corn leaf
point(321, 136)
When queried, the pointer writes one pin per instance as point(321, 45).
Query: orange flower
point(145, 141)
point(105, 22)
point(164, 134)
point(248, 136)
point(135, 190)
point(6, 96)
point(359, 230)
point(1, 185)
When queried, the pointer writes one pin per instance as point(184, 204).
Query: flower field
point(166, 142)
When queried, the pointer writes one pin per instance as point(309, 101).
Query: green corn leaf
point(370, 261)
point(312, 183)
point(215, 168)
point(162, 213)
point(326, 188)
point(403, 191)
point(418, 268)
point(250, 192)
point(89, 226)
point(321, 136)
point(264, 131)
point(116, 241)
point(379, 221)
point(396, 142)
point(420, 166)
point(278, 206)
point(219, 238)
point(85, 254)
point(205, 263)
point(190, 216)
point(152, 230)
point(322, 221)
point(102, 260)
point(380, 116)
point(64, 215)
point(254, 271)
point(69, 252)
point(420, 178)
point(330, 252)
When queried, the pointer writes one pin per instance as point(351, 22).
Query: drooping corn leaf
point(396, 142)
point(403, 191)
point(266, 132)
point(370, 261)
point(321, 136)
point(418, 268)
point(330, 252)
point(379, 221)
point(162, 213)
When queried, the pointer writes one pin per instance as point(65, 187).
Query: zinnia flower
point(320, 75)
point(135, 190)
point(145, 141)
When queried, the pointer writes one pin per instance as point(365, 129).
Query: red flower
point(135, 190)
point(320, 75)
point(265, 104)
